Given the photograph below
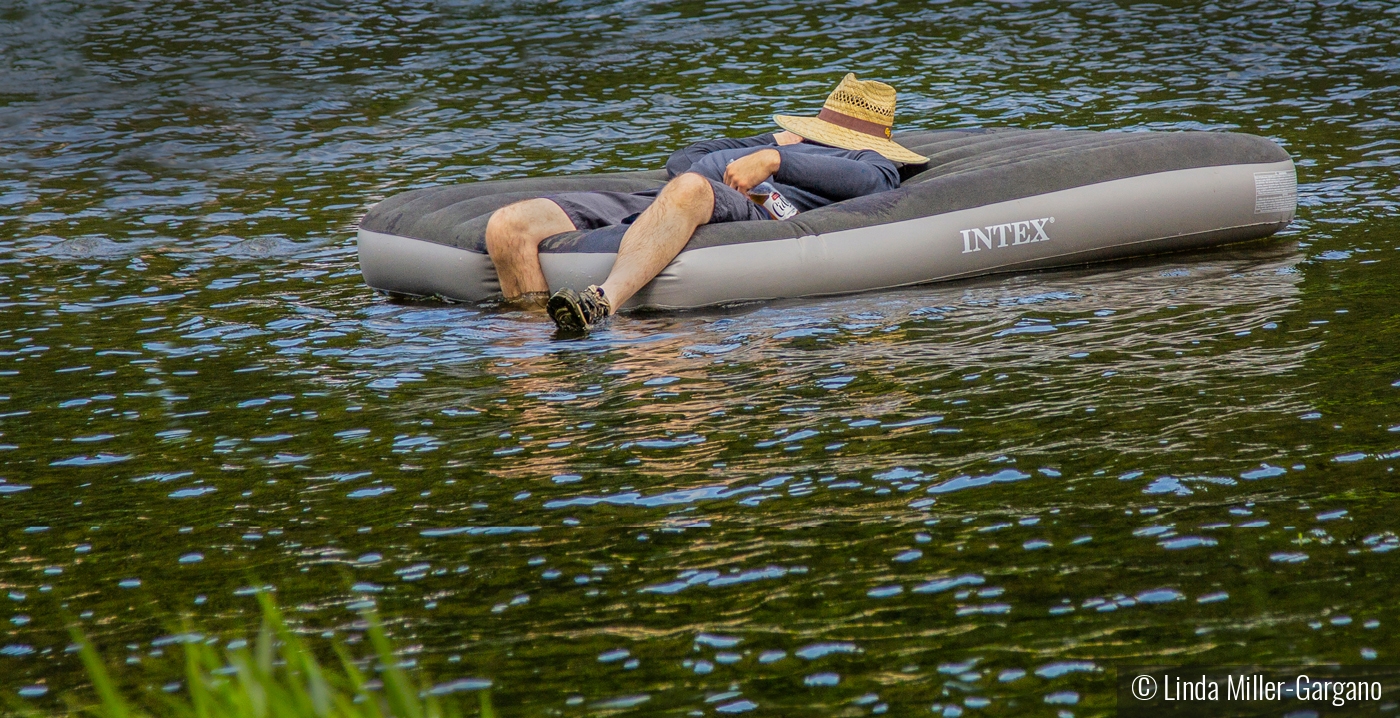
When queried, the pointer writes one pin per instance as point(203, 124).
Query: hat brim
point(819, 130)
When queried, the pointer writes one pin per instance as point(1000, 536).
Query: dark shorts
point(595, 210)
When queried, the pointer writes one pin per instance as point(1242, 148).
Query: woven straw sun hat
point(858, 115)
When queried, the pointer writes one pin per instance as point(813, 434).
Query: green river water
point(971, 498)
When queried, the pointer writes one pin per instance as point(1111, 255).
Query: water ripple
point(181, 295)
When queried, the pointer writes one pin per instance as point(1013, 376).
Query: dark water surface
point(977, 498)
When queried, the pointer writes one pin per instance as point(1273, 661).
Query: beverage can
point(765, 195)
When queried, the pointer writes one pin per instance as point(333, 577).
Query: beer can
point(768, 197)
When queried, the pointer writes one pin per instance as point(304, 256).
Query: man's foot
point(579, 311)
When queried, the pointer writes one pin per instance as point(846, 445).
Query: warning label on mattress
point(1275, 191)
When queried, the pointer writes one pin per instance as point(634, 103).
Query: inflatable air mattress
point(989, 200)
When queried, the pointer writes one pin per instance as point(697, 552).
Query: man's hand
point(786, 138)
point(742, 174)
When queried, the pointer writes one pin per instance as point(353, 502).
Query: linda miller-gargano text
point(1260, 688)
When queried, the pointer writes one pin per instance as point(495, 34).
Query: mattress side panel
point(414, 267)
point(403, 265)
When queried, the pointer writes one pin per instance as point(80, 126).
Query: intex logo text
point(1003, 235)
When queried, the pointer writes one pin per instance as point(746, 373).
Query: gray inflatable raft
point(989, 200)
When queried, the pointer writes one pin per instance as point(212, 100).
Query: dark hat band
point(874, 129)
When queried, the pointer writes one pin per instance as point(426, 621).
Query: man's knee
point(691, 186)
point(500, 228)
point(509, 226)
point(692, 191)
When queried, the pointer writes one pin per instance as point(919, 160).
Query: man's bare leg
point(658, 235)
point(513, 236)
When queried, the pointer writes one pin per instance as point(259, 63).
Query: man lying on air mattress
point(843, 152)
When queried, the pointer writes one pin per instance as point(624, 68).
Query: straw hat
point(858, 115)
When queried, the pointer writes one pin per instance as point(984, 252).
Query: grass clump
point(279, 677)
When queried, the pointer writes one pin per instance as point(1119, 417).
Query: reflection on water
point(977, 496)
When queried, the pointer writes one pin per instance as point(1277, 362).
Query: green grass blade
point(357, 683)
point(112, 704)
point(195, 682)
point(402, 696)
point(262, 650)
point(301, 662)
point(248, 693)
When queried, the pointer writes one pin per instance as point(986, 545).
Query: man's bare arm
point(786, 138)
